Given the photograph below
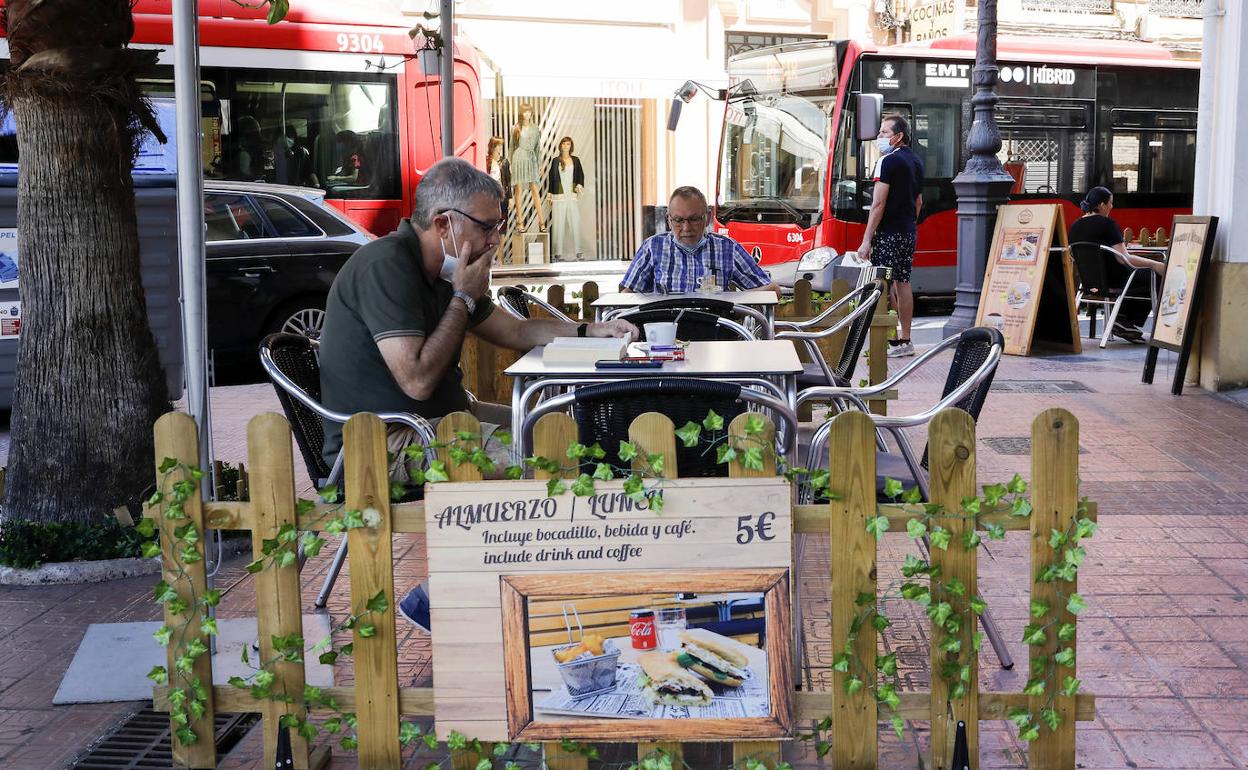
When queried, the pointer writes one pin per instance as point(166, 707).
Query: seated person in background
point(352, 168)
point(1095, 226)
point(399, 309)
point(675, 261)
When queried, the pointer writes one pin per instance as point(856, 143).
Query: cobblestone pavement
point(1163, 645)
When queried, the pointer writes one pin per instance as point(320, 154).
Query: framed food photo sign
point(597, 618)
point(1177, 310)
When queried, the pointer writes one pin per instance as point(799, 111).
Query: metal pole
point(984, 184)
point(447, 89)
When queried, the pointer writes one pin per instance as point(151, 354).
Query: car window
point(232, 218)
point(285, 220)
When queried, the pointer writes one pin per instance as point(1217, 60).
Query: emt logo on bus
point(947, 75)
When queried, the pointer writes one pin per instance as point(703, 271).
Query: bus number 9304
point(356, 43)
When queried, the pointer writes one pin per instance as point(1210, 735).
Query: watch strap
point(469, 302)
point(581, 330)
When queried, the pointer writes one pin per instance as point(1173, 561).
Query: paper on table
point(627, 702)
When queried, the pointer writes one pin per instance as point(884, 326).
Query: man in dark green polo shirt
point(397, 313)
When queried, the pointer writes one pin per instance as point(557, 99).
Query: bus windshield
point(775, 152)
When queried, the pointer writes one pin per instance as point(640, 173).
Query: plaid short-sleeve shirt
point(661, 266)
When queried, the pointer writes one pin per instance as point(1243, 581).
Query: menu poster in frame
point(1177, 313)
point(1027, 296)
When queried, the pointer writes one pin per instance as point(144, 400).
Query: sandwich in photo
point(669, 684)
point(713, 657)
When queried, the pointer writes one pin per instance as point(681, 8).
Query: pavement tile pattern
point(1164, 643)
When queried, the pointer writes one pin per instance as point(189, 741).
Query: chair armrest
point(824, 392)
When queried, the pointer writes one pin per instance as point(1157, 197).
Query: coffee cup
point(661, 334)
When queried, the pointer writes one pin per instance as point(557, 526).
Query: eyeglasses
point(497, 225)
point(682, 221)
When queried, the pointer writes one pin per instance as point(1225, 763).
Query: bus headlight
point(817, 258)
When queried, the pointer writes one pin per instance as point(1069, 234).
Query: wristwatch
point(468, 301)
point(580, 330)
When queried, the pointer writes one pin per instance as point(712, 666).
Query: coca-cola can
point(641, 629)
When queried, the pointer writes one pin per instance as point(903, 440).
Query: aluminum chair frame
point(1112, 305)
point(796, 330)
point(535, 300)
point(417, 423)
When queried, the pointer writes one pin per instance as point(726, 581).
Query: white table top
point(715, 359)
point(754, 297)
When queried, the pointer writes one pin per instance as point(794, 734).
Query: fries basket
point(587, 676)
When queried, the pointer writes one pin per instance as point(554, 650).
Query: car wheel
point(306, 317)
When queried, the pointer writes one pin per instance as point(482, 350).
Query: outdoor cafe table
point(763, 301)
point(760, 361)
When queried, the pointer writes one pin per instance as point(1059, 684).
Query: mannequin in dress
point(564, 182)
point(524, 166)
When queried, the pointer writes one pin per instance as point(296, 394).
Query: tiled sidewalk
point(1164, 644)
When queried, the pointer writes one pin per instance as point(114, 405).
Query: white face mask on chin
point(449, 261)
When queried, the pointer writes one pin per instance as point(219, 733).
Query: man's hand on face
point(616, 328)
point(471, 276)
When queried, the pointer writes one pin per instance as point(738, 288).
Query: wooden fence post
point(371, 557)
point(654, 433)
point(554, 295)
point(278, 601)
point(448, 426)
point(589, 293)
point(851, 448)
point(1055, 504)
point(177, 438)
point(801, 298)
point(952, 474)
point(766, 752)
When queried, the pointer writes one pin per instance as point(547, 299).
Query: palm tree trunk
point(89, 382)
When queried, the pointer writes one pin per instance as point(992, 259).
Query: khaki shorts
point(492, 416)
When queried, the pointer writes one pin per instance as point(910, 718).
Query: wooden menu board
point(1178, 306)
point(1026, 295)
point(499, 550)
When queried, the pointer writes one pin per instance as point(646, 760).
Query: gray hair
point(688, 192)
point(450, 184)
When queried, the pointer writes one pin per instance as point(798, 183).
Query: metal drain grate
point(1040, 386)
point(142, 742)
point(1013, 445)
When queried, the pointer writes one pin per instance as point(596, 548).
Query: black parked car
point(273, 252)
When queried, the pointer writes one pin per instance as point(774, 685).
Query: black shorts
point(895, 251)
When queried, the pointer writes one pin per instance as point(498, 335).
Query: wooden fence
point(380, 702)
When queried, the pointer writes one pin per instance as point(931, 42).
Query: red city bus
point(795, 181)
point(332, 97)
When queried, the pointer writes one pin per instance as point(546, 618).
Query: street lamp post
point(984, 184)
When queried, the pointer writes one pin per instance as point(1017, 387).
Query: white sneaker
point(901, 351)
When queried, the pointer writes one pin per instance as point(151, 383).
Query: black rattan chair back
point(604, 412)
point(717, 307)
point(1090, 271)
point(691, 325)
point(969, 354)
point(295, 357)
point(856, 334)
point(513, 297)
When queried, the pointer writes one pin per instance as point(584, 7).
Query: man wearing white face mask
point(674, 262)
point(398, 311)
point(893, 222)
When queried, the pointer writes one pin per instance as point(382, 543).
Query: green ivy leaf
point(1020, 507)
point(940, 538)
point(1039, 609)
point(754, 424)
point(690, 433)
point(1070, 686)
point(951, 644)
point(940, 612)
point(1030, 734)
point(970, 539)
point(1065, 657)
point(328, 658)
point(853, 685)
point(886, 664)
point(186, 736)
point(1020, 717)
point(724, 453)
point(158, 674)
point(898, 725)
point(713, 421)
point(1016, 485)
point(914, 566)
point(1034, 686)
point(752, 458)
point(366, 630)
point(971, 505)
point(978, 605)
point(1051, 718)
point(436, 472)
point(146, 526)
point(577, 450)
point(995, 531)
point(655, 461)
point(993, 494)
point(163, 635)
point(915, 528)
point(378, 603)
point(877, 525)
point(514, 472)
point(209, 626)
point(456, 741)
point(502, 436)
point(912, 496)
point(955, 587)
point(1033, 635)
point(484, 764)
point(1066, 632)
point(916, 592)
point(627, 451)
point(633, 485)
point(328, 493)
point(655, 500)
point(1075, 604)
point(1056, 539)
point(977, 641)
point(880, 622)
point(603, 472)
point(555, 487)
point(583, 486)
point(312, 544)
point(892, 488)
point(349, 743)
point(841, 663)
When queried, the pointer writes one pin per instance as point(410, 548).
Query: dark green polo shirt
point(382, 291)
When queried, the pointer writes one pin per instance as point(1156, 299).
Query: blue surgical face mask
point(694, 247)
point(883, 145)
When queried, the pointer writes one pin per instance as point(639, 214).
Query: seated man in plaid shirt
point(675, 262)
